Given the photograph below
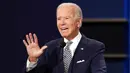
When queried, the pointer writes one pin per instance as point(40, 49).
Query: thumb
point(43, 48)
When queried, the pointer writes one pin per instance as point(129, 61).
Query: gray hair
point(78, 10)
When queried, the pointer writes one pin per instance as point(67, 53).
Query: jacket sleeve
point(41, 65)
point(98, 64)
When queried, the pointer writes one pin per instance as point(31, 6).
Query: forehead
point(65, 10)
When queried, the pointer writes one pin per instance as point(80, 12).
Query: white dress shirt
point(73, 46)
point(75, 43)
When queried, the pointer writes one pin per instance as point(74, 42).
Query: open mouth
point(64, 29)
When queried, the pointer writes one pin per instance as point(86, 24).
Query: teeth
point(64, 28)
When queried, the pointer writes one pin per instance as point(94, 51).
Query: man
point(81, 55)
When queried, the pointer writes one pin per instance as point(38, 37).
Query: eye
point(67, 18)
point(58, 18)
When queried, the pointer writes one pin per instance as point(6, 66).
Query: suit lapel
point(79, 54)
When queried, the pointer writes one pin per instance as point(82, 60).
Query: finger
point(35, 38)
point(43, 48)
point(31, 38)
point(25, 43)
point(28, 39)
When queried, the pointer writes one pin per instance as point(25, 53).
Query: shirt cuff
point(30, 65)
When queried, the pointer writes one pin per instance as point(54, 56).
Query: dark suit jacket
point(88, 58)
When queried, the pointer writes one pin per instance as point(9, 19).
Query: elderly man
point(74, 53)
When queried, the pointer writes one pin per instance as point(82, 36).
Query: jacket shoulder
point(95, 42)
point(53, 42)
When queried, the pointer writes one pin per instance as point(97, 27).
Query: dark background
point(19, 17)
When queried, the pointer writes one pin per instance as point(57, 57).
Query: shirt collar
point(75, 39)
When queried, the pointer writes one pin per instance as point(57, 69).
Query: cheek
point(58, 25)
point(72, 28)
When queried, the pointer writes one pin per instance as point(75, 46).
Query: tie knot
point(69, 43)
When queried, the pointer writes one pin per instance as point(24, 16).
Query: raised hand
point(32, 46)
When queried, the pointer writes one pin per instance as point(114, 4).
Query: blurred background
point(104, 20)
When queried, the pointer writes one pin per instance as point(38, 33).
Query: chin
point(64, 35)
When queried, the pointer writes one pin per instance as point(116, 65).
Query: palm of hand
point(33, 50)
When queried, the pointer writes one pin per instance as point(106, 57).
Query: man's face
point(67, 25)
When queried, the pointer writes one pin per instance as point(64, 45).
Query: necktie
point(67, 56)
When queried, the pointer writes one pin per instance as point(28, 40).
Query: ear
point(79, 21)
point(79, 25)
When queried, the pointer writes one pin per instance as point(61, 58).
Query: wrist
point(32, 59)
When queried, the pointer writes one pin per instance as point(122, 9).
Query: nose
point(62, 21)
